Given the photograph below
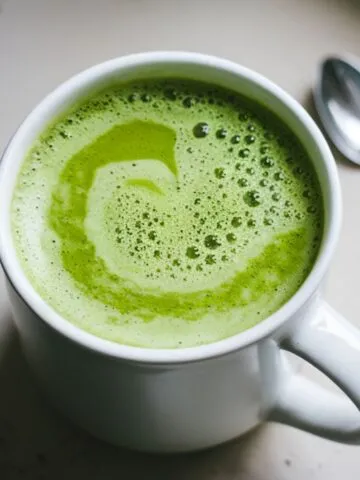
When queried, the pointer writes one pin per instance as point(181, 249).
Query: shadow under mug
point(188, 399)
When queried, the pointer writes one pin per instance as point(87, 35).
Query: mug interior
point(188, 66)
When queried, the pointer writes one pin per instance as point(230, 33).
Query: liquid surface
point(167, 214)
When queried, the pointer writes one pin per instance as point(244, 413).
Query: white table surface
point(42, 43)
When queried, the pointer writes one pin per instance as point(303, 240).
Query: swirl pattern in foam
point(167, 213)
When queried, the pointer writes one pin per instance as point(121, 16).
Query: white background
point(42, 43)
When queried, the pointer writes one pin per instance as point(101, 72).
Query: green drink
point(167, 214)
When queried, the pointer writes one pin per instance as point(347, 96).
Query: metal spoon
point(337, 100)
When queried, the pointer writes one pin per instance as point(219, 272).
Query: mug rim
point(263, 329)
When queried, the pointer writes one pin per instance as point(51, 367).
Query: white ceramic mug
point(187, 399)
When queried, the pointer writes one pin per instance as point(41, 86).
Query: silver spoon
point(337, 100)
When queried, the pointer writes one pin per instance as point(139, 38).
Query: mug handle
point(331, 344)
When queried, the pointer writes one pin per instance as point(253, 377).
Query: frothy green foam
point(166, 214)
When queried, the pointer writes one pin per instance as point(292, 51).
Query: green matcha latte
point(166, 214)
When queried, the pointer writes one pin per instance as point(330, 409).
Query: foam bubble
point(221, 133)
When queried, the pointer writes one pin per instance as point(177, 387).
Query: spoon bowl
point(337, 100)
